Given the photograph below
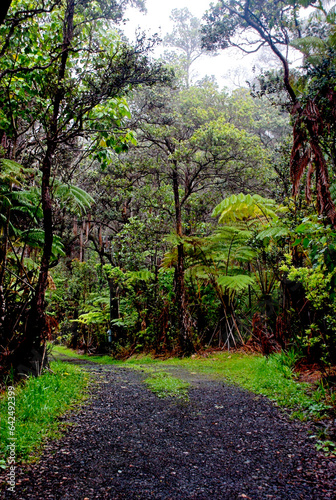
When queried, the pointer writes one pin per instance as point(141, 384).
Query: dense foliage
point(142, 212)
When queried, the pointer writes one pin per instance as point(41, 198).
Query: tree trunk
point(184, 319)
point(36, 320)
point(114, 309)
point(4, 6)
point(311, 119)
point(3, 261)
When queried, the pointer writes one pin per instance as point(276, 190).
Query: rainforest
point(147, 213)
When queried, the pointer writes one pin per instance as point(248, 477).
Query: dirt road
point(225, 443)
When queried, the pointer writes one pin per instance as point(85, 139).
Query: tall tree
point(252, 24)
point(186, 39)
point(187, 143)
point(68, 66)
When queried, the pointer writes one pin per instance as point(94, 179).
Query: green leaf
point(236, 283)
point(306, 242)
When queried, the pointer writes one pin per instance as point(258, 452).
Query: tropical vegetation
point(142, 210)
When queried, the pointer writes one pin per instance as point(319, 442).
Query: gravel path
point(225, 443)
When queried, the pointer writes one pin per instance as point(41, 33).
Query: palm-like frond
point(143, 275)
point(198, 271)
point(73, 196)
point(12, 173)
point(311, 46)
point(218, 259)
point(274, 232)
point(244, 208)
point(35, 239)
point(169, 258)
point(235, 283)
point(26, 203)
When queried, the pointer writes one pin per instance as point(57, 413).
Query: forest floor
point(222, 443)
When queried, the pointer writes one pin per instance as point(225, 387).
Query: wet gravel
point(225, 443)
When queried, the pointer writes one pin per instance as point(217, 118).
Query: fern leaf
point(143, 275)
point(198, 272)
point(273, 232)
point(244, 207)
point(77, 197)
point(309, 44)
point(35, 239)
point(12, 172)
point(236, 283)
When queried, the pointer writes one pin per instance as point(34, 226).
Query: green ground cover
point(102, 360)
point(165, 385)
point(39, 403)
point(272, 377)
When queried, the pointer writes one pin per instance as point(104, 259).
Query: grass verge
point(39, 402)
point(102, 360)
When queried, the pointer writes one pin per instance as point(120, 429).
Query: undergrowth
point(39, 403)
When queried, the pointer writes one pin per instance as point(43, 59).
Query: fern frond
point(143, 275)
point(75, 196)
point(35, 239)
point(12, 172)
point(235, 283)
point(309, 44)
point(169, 259)
point(273, 232)
point(92, 318)
point(198, 271)
point(244, 207)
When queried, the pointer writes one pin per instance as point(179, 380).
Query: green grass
point(135, 360)
point(102, 360)
point(165, 385)
point(39, 402)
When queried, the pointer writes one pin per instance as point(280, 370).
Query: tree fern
point(12, 173)
point(34, 238)
point(74, 197)
point(221, 258)
point(244, 208)
point(236, 283)
point(198, 271)
point(13, 198)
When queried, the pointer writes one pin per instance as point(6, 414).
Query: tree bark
point(184, 319)
point(4, 7)
point(36, 321)
point(324, 201)
point(3, 261)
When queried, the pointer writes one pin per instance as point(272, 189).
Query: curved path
point(225, 443)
